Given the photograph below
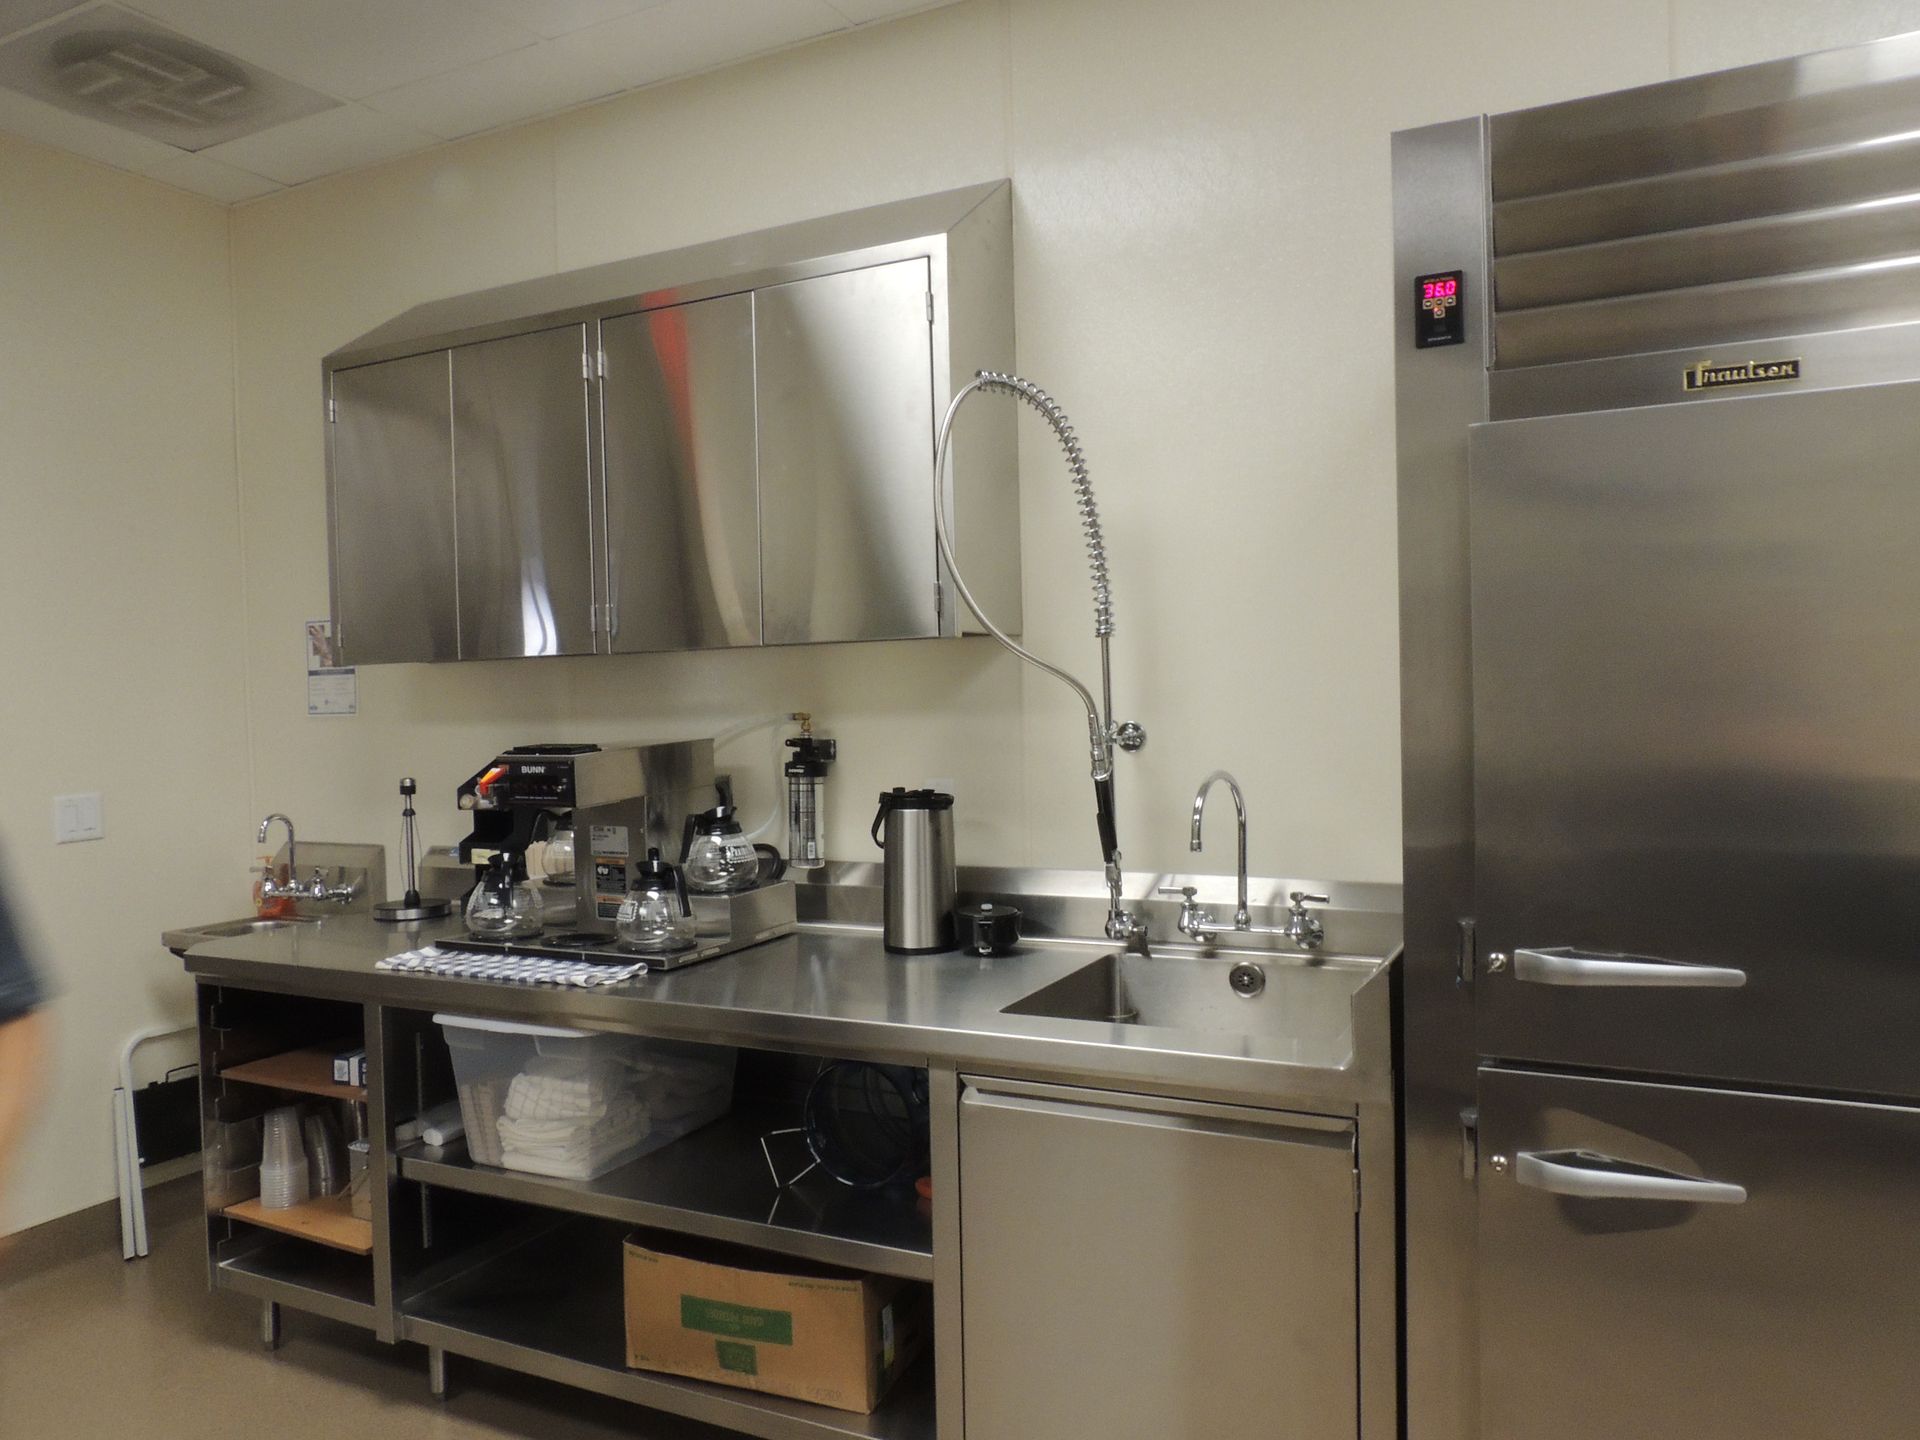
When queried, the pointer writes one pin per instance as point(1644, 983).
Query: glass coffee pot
point(505, 905)
point(717, 858)
point(656, 917)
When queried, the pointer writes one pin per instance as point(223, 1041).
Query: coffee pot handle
point(773, 865)
point(879, 819)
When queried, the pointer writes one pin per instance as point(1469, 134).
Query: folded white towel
point(558, 1147)
point(565, 1090)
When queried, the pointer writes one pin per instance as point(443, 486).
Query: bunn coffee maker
point(614, 802)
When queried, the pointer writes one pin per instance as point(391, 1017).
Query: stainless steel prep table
point(833, 990)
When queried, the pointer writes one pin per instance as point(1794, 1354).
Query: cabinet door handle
point(1564, 966)
point(1589, 1176)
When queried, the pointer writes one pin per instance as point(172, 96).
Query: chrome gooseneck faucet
point(315, 888)
point(1303, 928)
point(1104, 734)
point(1242, 916)
point(272, 889)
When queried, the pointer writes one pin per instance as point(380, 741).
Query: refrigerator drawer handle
point(1562, 966)
point(1588, 1176)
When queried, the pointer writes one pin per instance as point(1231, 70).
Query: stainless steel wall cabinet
point(1659, 549)
point(521, 482)
point(845, 382)
point(391, 509)
point(726, 445)
point(682, 497)
point(1141, 1267)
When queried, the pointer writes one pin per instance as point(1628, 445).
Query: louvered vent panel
point(1780, 199)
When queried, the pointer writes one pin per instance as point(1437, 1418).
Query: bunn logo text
point(1709, 376)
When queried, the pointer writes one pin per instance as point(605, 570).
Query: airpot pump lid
point(899, 799)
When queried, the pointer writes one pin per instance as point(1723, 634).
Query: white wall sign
point(331, 689)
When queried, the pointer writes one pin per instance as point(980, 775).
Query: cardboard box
point(740, 1317)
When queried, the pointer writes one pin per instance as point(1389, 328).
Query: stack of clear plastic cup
point(326, 1156)
point(283, 1161)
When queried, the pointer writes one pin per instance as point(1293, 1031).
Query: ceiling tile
point(210, 178)
point(321, 144)
point(346, 47)
point(540, 80)
point(863, 12)
point(36, 120)
point(556, 17)
point(683, 37)
point(19, 14)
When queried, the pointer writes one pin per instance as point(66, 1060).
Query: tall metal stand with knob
point(410, 906)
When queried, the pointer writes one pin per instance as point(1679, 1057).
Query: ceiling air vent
point(113, 66)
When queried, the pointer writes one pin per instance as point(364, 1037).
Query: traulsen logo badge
point(1709, 375)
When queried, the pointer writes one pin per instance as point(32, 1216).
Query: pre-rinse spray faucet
point(1103, 733)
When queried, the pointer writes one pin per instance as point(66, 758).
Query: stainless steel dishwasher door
point(1669, 1263)
point(1139, 1267)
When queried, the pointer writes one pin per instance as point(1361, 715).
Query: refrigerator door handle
point(1561, 965)
point(1589, 1176)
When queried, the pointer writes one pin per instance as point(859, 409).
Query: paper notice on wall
point(332, 689)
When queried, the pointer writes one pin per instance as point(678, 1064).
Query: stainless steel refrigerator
point(1658, 378)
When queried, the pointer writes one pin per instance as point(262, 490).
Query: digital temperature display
point(1439, 313)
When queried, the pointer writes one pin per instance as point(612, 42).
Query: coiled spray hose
point(1102, 733)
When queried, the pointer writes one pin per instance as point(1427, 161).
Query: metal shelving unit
point(553, 1307)
point(525, 1272)
point(328, 1220)
point(714, 1183)
point(305, 1277)
point(306, 1072)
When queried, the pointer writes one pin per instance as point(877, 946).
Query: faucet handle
point(1178, 892)
point(1303, 929)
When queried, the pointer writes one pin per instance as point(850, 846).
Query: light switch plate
point(78, 817)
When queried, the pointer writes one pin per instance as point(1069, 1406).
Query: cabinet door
point(1694, 688)
point(683, 521)
point(522, 496)
point(844, 374)
point(1676, 1263)
point(391, 498)
point(1154, 1268)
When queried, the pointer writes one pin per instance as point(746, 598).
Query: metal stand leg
point(270, 1324)
point(437, 1372)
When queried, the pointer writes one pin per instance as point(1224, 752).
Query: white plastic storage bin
point(576, 1104)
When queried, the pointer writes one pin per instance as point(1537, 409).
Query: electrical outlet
point(78, 817)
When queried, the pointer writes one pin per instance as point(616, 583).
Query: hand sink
point(235, 928)
point(1191, 993)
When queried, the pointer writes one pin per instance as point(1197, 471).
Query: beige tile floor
point(93, 1346)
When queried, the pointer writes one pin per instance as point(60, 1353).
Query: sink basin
point(234, 928)
point(1174, 992)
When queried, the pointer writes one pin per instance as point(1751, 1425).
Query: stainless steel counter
point(1283, 1042)
point(834, 990)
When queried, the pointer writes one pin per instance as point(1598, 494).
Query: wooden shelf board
point(310, 1072)
point(329, 1222)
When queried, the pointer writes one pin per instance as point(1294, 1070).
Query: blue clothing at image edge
point(20, 989)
